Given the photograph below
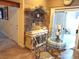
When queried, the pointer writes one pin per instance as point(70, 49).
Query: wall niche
point(34, 17)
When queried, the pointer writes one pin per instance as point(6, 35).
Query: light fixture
point(67, 2)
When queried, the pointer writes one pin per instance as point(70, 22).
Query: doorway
point(68, 18)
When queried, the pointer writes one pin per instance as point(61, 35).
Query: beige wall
point(1, 25)
point(59, 3)
point(9, 27)
point(34, 3)
point(75, 3)
point(54, 3)
point(14, 26)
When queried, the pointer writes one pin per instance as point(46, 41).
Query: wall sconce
point(67, 2)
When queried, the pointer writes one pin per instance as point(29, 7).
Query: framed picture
point(5, 13)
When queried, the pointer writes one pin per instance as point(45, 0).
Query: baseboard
point(5, 34)
point(9, 37)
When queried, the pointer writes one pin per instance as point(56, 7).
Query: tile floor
point(10, 50)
